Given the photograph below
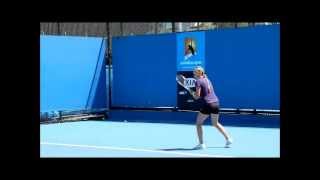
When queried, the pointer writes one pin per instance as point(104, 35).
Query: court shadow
point(178, 149)
point(189, 149)
point(223, 147)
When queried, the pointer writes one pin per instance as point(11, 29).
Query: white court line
point(130, 149)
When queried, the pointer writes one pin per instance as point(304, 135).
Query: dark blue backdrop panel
point(67, 70)
point(144, 70)
point(244, 65)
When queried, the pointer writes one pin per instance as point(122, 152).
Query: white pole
point(180, 27)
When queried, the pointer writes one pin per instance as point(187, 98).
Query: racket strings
point(180, 79)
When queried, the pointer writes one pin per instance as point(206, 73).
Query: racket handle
point(191, 92)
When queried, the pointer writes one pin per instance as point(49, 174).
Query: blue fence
point(144, 71)
point(244, 65)
point(72, 73)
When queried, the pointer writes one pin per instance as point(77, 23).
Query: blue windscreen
point(72, 73)
point(244, 66)
point(144, 70)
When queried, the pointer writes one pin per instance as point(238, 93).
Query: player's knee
point(198, 123)
point(215, 123)
point(214, 120)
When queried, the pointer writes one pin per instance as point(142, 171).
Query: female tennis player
point(209, 106)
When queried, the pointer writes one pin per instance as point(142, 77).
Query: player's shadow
point(187, 149)
point(178, 149)
point(223, 147)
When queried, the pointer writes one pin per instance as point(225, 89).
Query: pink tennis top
point(207, 91)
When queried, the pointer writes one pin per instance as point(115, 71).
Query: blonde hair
point(199, 68)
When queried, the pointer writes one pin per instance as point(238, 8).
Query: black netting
point(99, 29)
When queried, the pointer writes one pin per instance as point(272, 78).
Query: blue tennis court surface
point(143, 139)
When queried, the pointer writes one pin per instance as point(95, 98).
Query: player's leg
point(200, 119)
point(215, 123)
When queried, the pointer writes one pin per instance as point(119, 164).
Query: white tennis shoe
point(228, 143)
point(200, 146)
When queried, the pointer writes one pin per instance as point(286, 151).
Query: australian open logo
point(190, 48)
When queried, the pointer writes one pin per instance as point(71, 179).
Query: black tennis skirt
point(211, 108)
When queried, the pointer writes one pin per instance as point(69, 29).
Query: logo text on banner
point(190, 82)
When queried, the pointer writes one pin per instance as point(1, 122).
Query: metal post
point(109, 62)
point(156, 28)
point(121, 29)
point(180, 28)
point(198, 26)
point(58, 28)
point(173, 27)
